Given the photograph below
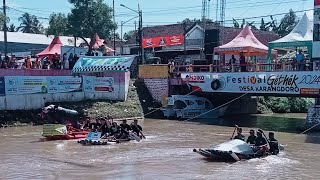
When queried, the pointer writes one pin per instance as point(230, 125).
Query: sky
point(159, 12)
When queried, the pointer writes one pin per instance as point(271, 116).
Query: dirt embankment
point(95, 109)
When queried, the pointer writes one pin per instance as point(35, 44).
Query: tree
point(89, 17)
point(128, 35)
point(263, 26)
point(12, 28)
point(2, 19)
point(287, 24)
point(30, 24)
point(189, 21)
point(58, 24)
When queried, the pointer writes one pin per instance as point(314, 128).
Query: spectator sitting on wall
point(97, 54)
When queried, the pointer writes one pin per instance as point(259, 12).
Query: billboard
point(98, 84)
point(62, 84)
point(25, 84)
point(163, 41)
point(304, 83)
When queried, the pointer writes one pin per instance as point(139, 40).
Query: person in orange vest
point(28, 62)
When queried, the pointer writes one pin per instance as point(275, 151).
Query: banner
point(61, 84)
point(98, 84)
point(2, 86)
point(163, 41)
point(304, 83)
point(94, 136)
point(54, 129)
point(25, 84)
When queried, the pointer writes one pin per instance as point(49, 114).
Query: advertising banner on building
point(25, 84)
point(163, 41)
point(62, 84)
point(304, 83)
point(98, 84)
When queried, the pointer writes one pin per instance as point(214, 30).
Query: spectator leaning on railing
point(300, 60)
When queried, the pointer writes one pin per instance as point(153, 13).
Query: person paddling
point(136, 128)
point(251, 138)
point(239, 134)
point(274, 145)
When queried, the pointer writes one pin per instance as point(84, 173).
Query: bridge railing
point(259, 67)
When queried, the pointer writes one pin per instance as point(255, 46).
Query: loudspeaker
point(211, 40)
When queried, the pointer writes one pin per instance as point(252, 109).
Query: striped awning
point(92, 64)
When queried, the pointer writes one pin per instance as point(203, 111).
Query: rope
point(218, 106)
point(304, 131)
point(165, 105)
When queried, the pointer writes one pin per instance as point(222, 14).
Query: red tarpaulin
point(316, 2)
point(162, 41)
point(53, 48)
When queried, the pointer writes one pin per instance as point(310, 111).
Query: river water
point(165, 154)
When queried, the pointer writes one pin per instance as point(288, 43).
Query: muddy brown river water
point(165, 154)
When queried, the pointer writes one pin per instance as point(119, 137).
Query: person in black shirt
point(251, 138)
point(260, 141)
point(274, 145)
point(136, 128)
point(114, 129)
point(105, 129)
point(125, 128)
point(239, 135)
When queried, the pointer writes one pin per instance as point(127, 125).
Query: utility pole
point(141, 35)
point(184, 40)
point(114, 31)
point(5, 29)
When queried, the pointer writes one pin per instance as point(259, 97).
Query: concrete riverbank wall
point(32, 91)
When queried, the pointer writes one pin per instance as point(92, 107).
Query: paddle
point(268, 142)
point(234, 131)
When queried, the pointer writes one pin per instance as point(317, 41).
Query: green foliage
point(287, 24)
point(128, 35)
point(284, 104)
point(89, 17)
point(191, 21)
point(30, 24)
point(58, 25)
point(12, 28)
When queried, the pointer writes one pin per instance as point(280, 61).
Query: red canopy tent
point(53, 48)
point(246, 43)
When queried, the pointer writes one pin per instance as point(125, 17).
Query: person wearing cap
point(251, 138)
point(240, 135)
point(136, 128)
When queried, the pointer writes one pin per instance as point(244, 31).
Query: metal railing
point(259, 67)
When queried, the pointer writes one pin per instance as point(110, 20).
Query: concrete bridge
point(224, 82)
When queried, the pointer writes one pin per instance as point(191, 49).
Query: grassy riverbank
point(95, 109)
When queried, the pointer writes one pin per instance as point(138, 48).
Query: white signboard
point(307, 83)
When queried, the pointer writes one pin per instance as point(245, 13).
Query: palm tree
point(12, 28)
point(30, 24)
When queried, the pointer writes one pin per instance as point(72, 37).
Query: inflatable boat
point(60, 132)
point(234, 150)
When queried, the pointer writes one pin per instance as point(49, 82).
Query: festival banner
point(163, 41)
point(304, 83)
point(2, 86)
point(98, 84)
point(62, 84)
point(25, 84)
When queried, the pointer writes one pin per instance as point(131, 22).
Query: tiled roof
point(229, 32)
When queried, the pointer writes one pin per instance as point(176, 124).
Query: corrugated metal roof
point(28, 38)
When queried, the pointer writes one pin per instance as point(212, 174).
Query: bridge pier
point(313, 116)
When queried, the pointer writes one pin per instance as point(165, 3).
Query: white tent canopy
point(302, 32)
point(300, 36)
